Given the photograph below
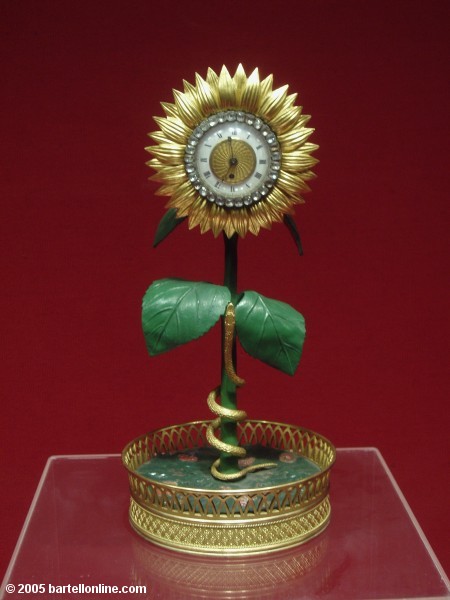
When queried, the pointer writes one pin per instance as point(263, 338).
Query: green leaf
point(167, 224)
point(290, 224)
point(270, 330)
point(175, 311)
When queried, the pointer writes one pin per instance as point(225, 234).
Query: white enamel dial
point(233, 159)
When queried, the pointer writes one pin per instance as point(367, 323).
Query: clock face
point(233, 159)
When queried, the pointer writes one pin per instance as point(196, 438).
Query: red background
point(80, 83)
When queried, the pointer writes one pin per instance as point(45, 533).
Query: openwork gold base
point(230, 522)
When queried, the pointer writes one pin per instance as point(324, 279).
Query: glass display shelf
point(77, 534)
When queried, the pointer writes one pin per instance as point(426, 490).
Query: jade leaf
point(175, 311)
point(270, 330)
point(167, 224)
point(291, 225)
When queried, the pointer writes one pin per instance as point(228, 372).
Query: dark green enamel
point(292, 227)
point(175, 311)
point(270, 330)
point(167, 224)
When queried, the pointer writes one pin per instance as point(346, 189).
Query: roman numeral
point(217, 184)
point(258, 175)
point(258, 147)
point(262, 161)
point(206, 160)
point(207, 174)
point(219, 135)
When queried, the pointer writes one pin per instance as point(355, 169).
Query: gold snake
point(228, 413)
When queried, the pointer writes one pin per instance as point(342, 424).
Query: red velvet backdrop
point(80, 83)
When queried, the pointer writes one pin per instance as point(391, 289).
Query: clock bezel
point(226, 198)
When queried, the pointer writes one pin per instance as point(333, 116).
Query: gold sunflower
point(232, 152)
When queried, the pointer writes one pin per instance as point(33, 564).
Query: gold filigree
point(243, 538)
point(240, 521)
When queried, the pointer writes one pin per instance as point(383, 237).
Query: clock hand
point(229, 174)
point(233, 161)
point(231, 147)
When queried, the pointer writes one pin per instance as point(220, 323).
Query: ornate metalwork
point(230, 521)
point(272, 117)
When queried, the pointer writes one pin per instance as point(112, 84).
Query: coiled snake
point(228, 413)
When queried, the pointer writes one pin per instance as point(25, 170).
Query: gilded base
point(230, 522)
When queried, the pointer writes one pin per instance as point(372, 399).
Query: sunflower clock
point(232, 155)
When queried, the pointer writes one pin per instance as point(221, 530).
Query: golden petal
point(173, 128)
point(188, 88)
point(197, 213)
point(182, 199)
point(185, 190)
point(272, 208)
point(212, 79)
point(215, 224)
point(293, 139)
point(298, 160)
point(307, 175)
point(240, 82)
point(181, 211)
point(223, 218)
point(168, 153)
point(216, 230)
point(172, 175)
point(159, 137)
point(218, 217)
point(280, 200)
point(166, 190)
point(271, 104)
point(156, 177)
point(253, 225)
point(309, 147)
point(303, 120)
point(205, 224)
point(285, 120)
point(170, 109)
point(251, 93)
point(227, 91)
point(291, 183)
point(290, 100)
point(207, 98)
point(259, 213)
point(229, 228)
point(276, 215)
point(239, 219)
point(154, 163)
point(188, 110)
point(265, 87)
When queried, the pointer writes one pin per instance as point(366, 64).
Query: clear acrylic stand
point(77, 533)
